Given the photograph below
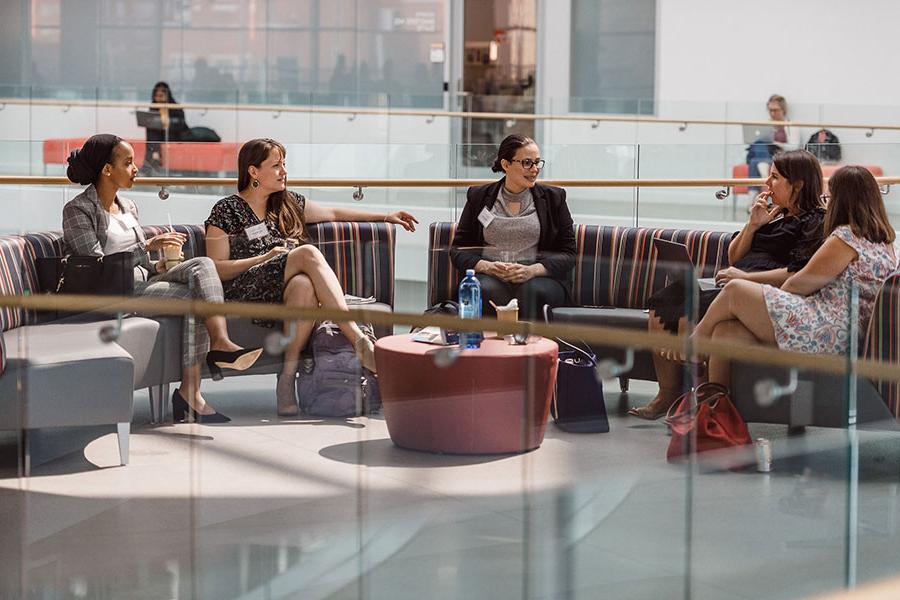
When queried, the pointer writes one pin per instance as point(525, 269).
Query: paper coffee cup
point(508, 314)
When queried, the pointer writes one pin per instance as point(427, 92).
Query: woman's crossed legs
point(738, 313)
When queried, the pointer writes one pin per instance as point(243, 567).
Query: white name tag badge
point(129, 221)
point(254, 232)
point(486, 217)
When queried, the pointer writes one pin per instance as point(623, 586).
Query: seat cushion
point(631, 318)
point(63, 374)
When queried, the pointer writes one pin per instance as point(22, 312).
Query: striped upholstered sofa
point(616, 272)
point(58, 372)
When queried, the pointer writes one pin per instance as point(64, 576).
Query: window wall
point(613, 56)
point(294, 51)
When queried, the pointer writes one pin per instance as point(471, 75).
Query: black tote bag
point(578, 405)
point(110, 275)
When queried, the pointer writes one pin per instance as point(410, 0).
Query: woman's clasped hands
point(509, 272)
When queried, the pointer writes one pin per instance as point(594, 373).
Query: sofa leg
point(24, 455)
point(123, 431)
point(159, 394)
point(623, 384)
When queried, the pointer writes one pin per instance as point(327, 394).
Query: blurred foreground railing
point(611, 336)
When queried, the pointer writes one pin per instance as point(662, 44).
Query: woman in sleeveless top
point(809, 313)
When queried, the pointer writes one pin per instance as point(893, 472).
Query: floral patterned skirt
point(817, 323)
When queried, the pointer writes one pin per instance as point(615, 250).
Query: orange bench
point(742, 172)
point(205, 157)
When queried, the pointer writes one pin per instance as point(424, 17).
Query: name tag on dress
point(486, 217)
point(129, 221)
point(254, 232)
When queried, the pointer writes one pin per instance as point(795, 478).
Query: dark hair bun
point(508, 148)
point(86, 163)
point(78, 170)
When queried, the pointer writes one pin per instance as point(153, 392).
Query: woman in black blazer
point(517, 234)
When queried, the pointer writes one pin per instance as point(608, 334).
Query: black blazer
point(556, 246)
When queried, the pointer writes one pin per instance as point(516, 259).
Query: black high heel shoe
point(181, 410)
point(239, 360)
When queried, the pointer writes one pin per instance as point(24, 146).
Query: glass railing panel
point(688, 207)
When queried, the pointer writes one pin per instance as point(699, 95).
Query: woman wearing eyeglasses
point(517, 234)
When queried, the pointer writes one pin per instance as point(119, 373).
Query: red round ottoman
point(493, 399)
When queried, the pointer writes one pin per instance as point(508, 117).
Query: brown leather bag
point(705, 419)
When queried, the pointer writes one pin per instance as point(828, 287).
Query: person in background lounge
point(174, 126)
point(778, 240)
point(809, 312)
point(784, 137)
point(248, 235)
point(98, 222)
point(517, 234)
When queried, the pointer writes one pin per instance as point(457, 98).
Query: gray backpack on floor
point(336, 385)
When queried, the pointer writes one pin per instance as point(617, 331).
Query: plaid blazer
point(85, 223)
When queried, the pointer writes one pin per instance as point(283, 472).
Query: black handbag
point(578, 404)
point(110, 275)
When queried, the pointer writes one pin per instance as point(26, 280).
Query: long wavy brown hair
point(856, 201)
point(282, 209)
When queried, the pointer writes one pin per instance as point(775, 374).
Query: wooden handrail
point(612, 336)
point(417, 183)
point(506, 116)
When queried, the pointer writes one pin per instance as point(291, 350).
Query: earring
point(255, 183)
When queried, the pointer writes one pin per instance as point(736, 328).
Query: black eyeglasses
point(527, 163)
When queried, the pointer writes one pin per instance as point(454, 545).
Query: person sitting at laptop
point(777, 240)
point(174, 127)
point(777, 139)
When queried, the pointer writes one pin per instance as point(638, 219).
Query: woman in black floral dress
point(247, 236)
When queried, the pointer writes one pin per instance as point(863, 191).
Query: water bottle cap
point(470, 272)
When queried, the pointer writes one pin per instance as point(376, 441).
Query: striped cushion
point(39, 245)
point(614, 266)
point(361, 254)
point(883, 339)
point(443, 278)
point(13, 257)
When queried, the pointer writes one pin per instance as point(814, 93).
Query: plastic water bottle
point(470, 308)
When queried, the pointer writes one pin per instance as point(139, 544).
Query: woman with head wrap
point(98, 222)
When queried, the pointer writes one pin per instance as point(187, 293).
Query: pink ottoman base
point(492, 400)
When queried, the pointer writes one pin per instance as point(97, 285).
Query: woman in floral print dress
point(810, 312)
point(247, 235)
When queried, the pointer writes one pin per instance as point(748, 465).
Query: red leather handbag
point(705, 419)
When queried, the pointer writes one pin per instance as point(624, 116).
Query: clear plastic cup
point(172, 256)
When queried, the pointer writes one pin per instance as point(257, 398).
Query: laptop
point(675, 258)
point(758, 133)
point(149, 119)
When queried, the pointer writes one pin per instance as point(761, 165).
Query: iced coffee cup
point(172, 256)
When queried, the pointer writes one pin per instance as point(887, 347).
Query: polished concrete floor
point(331, 509)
